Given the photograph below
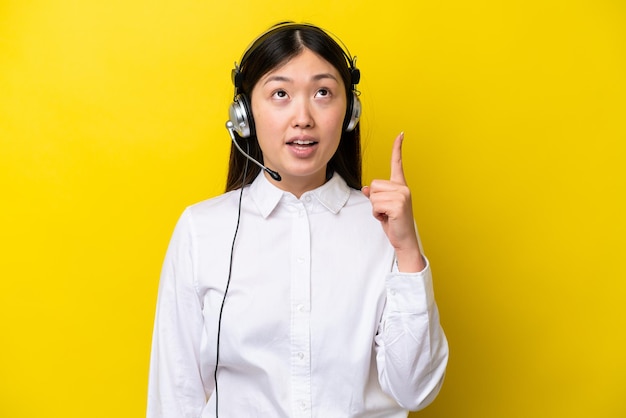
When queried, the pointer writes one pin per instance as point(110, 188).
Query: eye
point(323, 92)
point(279, 94)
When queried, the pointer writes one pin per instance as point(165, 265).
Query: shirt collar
point(333, 194)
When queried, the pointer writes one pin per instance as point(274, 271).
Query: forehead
point(305, 63)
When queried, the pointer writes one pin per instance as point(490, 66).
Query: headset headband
point(355, 74)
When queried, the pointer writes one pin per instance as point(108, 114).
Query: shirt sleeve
point(411, 347)
point(176, 385)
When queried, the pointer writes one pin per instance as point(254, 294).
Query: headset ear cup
point(353, 113)
point(240, 114)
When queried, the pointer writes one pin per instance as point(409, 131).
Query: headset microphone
point(231, 130)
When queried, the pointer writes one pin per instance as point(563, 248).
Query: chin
point(304, 174)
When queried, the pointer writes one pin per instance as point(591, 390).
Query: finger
point(366, 191)
point(378, 186)
point(397, 172)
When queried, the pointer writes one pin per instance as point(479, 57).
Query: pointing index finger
point(397, 172)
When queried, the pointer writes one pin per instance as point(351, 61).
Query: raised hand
point(391, 205)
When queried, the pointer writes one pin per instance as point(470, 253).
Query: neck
point(297, 185)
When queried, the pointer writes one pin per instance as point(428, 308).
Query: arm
point(412, 350)
point(176, 386)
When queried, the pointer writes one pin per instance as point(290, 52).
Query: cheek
point(339, 116)
point(263, 122)
point(267, 129)
point(334, 122)
point(267, 118)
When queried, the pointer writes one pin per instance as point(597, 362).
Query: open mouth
point(302, 143)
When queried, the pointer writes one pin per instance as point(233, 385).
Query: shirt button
point(302, 405)
point(300, 260)
point(301, 356)
point(307, 199)
point(300, 307)
point(392, 292)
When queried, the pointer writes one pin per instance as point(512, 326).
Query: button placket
point(300, 313)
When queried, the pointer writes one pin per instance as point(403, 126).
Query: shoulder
point(209, 215)
point(214, 206)
point(358, 201)
point(358, 210)
point(357, 197)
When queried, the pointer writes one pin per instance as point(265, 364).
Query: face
point(298, 110)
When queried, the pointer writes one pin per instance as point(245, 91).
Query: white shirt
point(317, 321)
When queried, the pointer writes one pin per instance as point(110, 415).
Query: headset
point(240, 110)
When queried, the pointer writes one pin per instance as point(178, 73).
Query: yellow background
point(112, 121)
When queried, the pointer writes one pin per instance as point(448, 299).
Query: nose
point(302, 115)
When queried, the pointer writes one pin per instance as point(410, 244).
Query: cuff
point(409, 292)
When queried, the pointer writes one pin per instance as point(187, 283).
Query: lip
point(302, 140)
point(302, 146)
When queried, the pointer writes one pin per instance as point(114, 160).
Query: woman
point(296, 293)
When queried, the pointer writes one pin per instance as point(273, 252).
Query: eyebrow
point(316, 77)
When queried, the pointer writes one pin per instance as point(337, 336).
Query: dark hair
point(269, 51)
